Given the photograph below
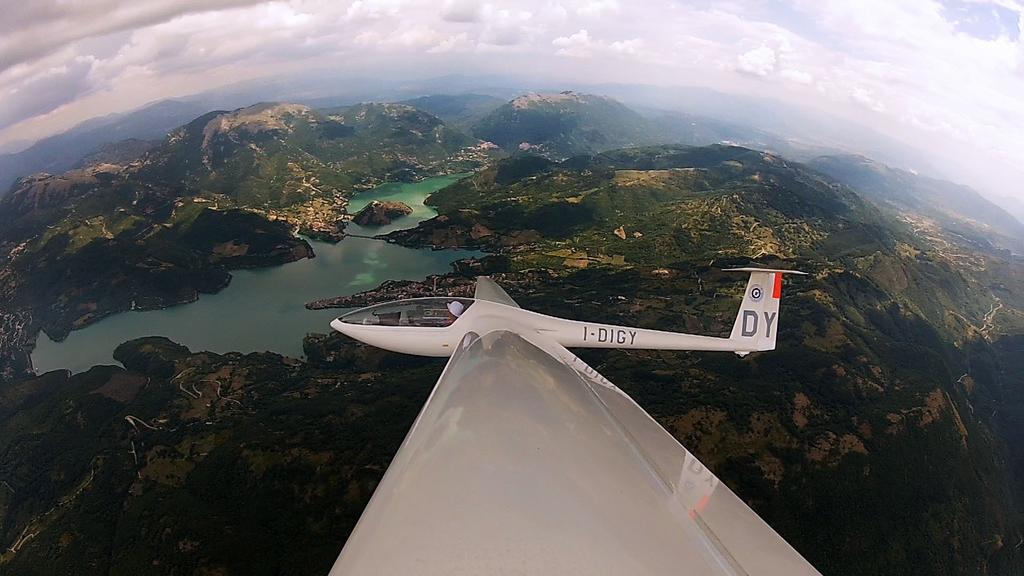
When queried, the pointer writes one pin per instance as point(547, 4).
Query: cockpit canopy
point(420, 312)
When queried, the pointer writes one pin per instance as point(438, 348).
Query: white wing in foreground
point(526, 461)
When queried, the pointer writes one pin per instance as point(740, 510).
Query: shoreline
point(313, 249)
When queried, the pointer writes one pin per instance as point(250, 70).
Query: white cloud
point(505, 27)
point(374, 9)
point(460, 42)
point(581, 45)
point(798, 76)
point(865, 97)
point(577, 45)
point(597, 8)
point(632, 47)
point(760, 61)
point(461, 11)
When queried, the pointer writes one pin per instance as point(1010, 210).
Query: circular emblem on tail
point(756, 293)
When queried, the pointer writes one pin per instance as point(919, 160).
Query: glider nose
point(356, 332)
point(340, 326)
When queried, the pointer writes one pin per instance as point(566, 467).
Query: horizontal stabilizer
point(776, 270)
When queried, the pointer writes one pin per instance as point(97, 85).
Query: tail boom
point(754, 329)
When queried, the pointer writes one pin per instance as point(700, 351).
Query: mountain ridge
point(561, 124)
point(955, 206)
point(60, 152)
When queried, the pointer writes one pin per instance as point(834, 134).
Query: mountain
point(280, 155)
point(811, 128)
point(568, 123)
point(298, 164)
point(56, 154)
point(459, 110)
point(957, 208)
point(563, 124)
point(14, 146)
point(1014, 206)
point(121, 153)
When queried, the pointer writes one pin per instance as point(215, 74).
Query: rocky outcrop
point(461, 229)
point(379, 213)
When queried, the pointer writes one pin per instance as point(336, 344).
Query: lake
point(264, 309)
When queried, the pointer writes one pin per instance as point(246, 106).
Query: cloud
point(461, 11)
point(865, 97)
point(798, 76)
point(374, 9)
point(632, 47)
point(759, 61)
point(503, 35)
point(597, 8)
point(45, 91)
point(581, 45)
point(577, 45)
point(30, 30)
point(460, 42)
point(505, 27)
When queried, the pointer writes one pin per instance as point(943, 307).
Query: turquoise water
point(412, 194)
point(264, 309)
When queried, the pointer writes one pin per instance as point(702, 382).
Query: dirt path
point(988, 324)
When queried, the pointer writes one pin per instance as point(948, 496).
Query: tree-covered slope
point(199, 463)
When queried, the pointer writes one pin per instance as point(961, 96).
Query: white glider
point(525, 460)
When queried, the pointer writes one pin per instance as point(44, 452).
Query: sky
point(944, 76)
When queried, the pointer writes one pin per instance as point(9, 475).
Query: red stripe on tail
point(777, 289)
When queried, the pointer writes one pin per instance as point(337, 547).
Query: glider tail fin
point(758, 319)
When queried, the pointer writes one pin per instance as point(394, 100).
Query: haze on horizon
point(944, 77)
